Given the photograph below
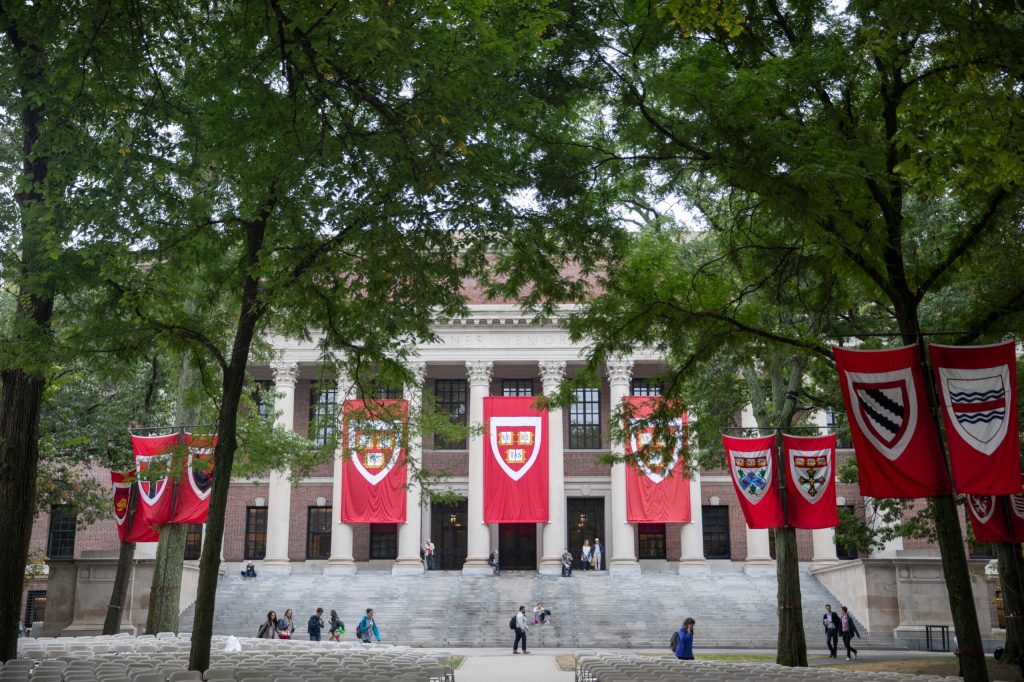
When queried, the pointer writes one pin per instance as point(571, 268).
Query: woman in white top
point(586, 555)
point(595, 563)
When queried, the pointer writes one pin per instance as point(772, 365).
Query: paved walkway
point(494, 665)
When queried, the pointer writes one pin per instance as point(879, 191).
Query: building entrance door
point(517, 546)
point(585, 520)
point(448, 531)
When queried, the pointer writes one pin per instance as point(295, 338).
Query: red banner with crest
point(978, 389)
point(751, 464)
point(810, 463)
point(897, 447)
point(156, 489)
point(192, 502)
point(128, 530)
point(657, 491)
point(515, 461)
point(374, 471)
point(991, 521)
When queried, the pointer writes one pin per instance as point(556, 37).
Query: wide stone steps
point(732, 609)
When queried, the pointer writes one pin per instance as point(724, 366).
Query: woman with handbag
point(586, 555)
point(286, 625)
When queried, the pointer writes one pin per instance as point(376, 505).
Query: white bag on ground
point(233, 645)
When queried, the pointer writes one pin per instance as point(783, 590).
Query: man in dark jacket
point(315, 625)
point(849, 630)
point(830, 621)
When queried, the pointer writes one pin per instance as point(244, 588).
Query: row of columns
point(622, 558)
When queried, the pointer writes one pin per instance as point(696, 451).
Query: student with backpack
point(518, 623)
point(337, 627)
point(682, 640)
point(367, 627)
point(315, 625)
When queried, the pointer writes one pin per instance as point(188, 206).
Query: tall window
point(585, 419)
point(716, 532)
point(255, 532)
point(318, 533)
point(647, 387)
point(846, 552)
point(516, 387)
point(323, 411)
point(193, 541)
point(383, 541)
point(35, 607)
point(263, 396)
point(61, 541)
point(451, 400)
point(652, 540)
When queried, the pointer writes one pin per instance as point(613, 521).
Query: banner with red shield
point(978, 387)
point(657, 491)
point(515, 461)
point(810, 481)
point(128, 529)
point(990, 519)
point(751, 463)
point(156, 489)
point(192, 502)
point(897, 447)
point(374, 474)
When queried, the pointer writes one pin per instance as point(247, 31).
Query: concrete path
point(494, 665)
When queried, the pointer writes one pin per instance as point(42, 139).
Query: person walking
point(598, 554)
point(367, 628)
point(494, 561)
point(315, 625)
point(566, 563)
point(286, 625)
point(521, 628)
point(830, 621)
point(684, 640)
point(268, 629)
point(337, 627)
point(428, 550)
point(586, 554)
point(849, 631)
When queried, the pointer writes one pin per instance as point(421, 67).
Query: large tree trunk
point(1010, 576)
point(227, 443)
point(115, 609)
point(791, 648)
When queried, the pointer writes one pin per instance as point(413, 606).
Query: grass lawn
point(929, 666)
point(457, 661)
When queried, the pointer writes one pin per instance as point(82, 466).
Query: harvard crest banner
point(810, 481)
point(656, 491)
point(751, 463)
point(127, 529)
point(897, 447)
point(155, 496)
point(978, 386)
point(192, 502)
point(374, 470)
point(989, 520)
point(515, 461)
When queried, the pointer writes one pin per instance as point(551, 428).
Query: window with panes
point(383, 541)
point(263, 396)
point(35, 607)
point(60, 544)
point(647, 387)
point(323, 411)
point(451, 400)
point(318, 533)
point(193, 541)
point(585, 419)
point(511, 388)
point(387, 392)
point(651, 540)
point(255, 532)
point(716, 532)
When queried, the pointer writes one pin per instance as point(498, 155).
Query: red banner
point(897, 447)
point(515, 461)
point(992, 522)
point(810, 481)
point(752, 468)
point(978, 387)
point(656, 491)
point(154, 504)
point(374, 471)
point(128, 530)
point(192, 502)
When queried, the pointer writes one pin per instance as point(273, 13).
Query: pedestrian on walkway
point(586, 554)
point(286, 625)
point(315, 625)
point(337, 627)
point(598, 554)
point(849, 630)
point(429, 552)
point(521, 628)
point(495, 562)
point(268, 629)
point(367, 627)
point(830, 621)
point(684, 640)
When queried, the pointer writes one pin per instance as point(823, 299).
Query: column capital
point(620, 370)
point(285, 373)
point(551, 374)
point(479, 372)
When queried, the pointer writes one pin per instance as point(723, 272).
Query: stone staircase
point(441, 608)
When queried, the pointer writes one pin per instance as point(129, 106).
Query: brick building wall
point(240, 496)
point(303, 497)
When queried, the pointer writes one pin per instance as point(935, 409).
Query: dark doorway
point(448, 531)
point(585, 521)
point(517, 546)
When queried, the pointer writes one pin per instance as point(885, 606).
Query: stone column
point(623, 554)
point(759, 555)
point(279, 493)
point(824, 546)
point(692, 533)
point(408, 561)
point(553, 533)
point(341, 561)
point(478, 536)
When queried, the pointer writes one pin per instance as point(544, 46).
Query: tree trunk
point(791, 648)
point(1010, 576)
point(115, 610)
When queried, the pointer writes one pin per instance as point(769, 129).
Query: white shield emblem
point(885, 407)
point(811, 470)
point(982, 506)
point(654, 466)
point(200, 479)
point(374, 449)
point(752, 472)
point(515, 443)
point(150, 490)
point(978, 402)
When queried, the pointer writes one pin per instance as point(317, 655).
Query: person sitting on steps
point(249, 572)
point(492, 560)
